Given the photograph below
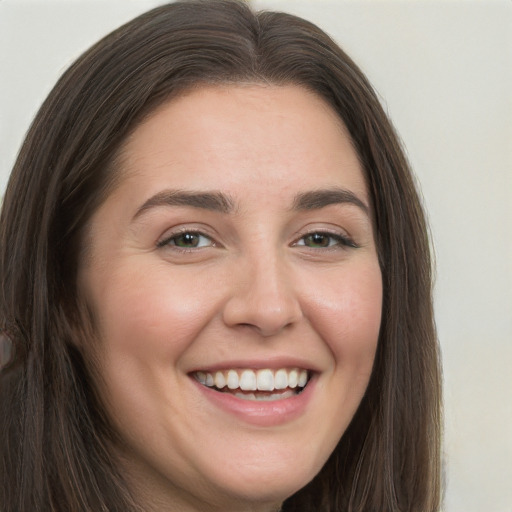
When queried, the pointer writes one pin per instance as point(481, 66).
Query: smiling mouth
point(265, 384)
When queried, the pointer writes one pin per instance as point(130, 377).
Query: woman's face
point(237, 294)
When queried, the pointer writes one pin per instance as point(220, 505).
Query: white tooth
point(209, 380)
point(281, 396)
point(281, 379)
point(246, 396)
point(303, 378)
point(220, 380)
point(265, 380)
point(248, 381)
point(265, 397)
point(232, 380)
point(293, 378)
point(201, 377)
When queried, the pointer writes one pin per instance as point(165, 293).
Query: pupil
point(187, 240)
point(319, 240)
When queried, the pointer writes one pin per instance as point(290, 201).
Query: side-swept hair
point(54, 441)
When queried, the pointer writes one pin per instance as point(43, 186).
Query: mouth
point(256, 385)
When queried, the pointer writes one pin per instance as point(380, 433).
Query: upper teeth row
point(251, 380)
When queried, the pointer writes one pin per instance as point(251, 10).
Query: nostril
point(266, 321)
point(263, 331)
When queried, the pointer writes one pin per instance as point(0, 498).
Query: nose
point(262, 297)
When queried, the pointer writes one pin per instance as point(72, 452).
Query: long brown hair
point(54, 440)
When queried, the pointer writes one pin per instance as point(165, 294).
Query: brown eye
point(318, 240)
point(187, 240)
point(321, 240)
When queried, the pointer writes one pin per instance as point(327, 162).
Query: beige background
point(444, 72)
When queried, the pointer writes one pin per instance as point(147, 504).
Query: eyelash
point(167, 241)
point(339, 240)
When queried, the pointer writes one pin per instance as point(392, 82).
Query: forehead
point(222, 136)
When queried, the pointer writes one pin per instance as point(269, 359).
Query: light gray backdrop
point(444, 72)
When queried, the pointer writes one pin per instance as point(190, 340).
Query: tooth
point(265, 380)
point(265, 398)
point(280, 396)
point(303, 378)
point(246, 396)
point(220, 380)
point(232, 380)
point(248, 381)
point(281, 379)
point(201, 377)
point(293, 378)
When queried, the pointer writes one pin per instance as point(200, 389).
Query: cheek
point(152, 313)
point(348, 315)
point(146, 322)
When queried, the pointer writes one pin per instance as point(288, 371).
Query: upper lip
point(272, 363)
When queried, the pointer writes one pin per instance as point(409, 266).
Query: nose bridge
point(264, 294)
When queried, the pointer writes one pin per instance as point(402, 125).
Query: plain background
point(443, 70)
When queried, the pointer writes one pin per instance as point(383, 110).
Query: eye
point(187, 240)
point(324, 240)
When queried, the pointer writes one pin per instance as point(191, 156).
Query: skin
point(255, 290)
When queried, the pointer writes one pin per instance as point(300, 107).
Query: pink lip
point(264, 414)
point(272, 363)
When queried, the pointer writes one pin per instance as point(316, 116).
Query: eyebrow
point(317, 199)
point(213, 201)
point(222, 203)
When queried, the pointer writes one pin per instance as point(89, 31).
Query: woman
point(216, 281)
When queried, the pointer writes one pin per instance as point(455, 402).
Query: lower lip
point(261, 413)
